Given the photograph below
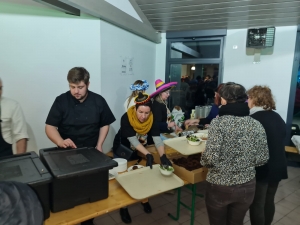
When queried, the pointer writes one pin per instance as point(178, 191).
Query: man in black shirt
point(79, 117)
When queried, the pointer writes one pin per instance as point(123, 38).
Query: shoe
point(125, 215)
point(88, 222)
point(147, 207)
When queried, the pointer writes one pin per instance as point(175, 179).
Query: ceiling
point(178, 15)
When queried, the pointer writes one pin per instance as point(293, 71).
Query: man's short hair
point(78, 74)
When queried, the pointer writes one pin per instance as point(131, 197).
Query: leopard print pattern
point(235, 146)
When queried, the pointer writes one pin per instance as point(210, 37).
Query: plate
point(112, 174)
point(131, 168)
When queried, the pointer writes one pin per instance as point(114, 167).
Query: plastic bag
point(296, 140)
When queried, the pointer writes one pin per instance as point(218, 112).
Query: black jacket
point(276, 168)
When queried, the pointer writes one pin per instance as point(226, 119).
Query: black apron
point(5, 148)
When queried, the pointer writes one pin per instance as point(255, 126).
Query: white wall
point(36, 54)
point(117, 44)
point(274, 70)
point(160, 58)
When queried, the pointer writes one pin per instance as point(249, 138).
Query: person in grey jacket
point(236, 145)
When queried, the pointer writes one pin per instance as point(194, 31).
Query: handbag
point(123, 151)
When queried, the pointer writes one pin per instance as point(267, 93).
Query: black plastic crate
point(27, 168)
point(79, 176)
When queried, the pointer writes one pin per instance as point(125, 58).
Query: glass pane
point(296, 116)
point(195, 49)
point(196, 85)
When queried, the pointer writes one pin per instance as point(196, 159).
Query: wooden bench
point(291, 149)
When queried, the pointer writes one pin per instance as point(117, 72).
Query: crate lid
point(64, 163)
point(25, 168)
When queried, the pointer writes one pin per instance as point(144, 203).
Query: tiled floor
point(287, 207)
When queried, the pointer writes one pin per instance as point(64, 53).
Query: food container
point(122, 165)
point(166, 172)
point(79, 176)
point(194, 142)
point(27, 168)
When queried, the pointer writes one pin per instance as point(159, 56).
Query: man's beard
point(82, 97)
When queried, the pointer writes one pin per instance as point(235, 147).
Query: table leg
point(193, 188)
point(178, 205)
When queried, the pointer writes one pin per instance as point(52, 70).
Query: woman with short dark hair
point(268, 176)
point(236, 145)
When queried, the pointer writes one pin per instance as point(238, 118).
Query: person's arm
point(159, 113)
point(102, 135)
point(261, 144)
point(21, 145)
point(210, 156)
point(54, 136)
point(19, 129)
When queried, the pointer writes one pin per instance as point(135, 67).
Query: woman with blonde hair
point(268, 176)
point(161, 112)
point(137, 87)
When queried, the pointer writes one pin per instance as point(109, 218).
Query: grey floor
point(287, 207)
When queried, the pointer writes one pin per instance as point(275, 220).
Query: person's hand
point(171, 124)
point(191, 122)
point(99, 148)
point(178, 129)
point(67, 143)
point(165, 161)
point(150, 160)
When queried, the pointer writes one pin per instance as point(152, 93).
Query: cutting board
point(181, 145)
point(145, 182)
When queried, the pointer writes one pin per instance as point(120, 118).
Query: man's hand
point(67, 143)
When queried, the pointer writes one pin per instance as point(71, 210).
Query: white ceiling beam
point(113, 15)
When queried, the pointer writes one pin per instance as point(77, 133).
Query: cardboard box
point(192, 177)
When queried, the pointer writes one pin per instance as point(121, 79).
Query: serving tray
point(145, 182)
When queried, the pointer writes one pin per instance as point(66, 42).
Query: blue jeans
point(227, 205)
point(262, 209)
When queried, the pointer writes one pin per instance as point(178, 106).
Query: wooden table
point(117, 199)
point(291, 149)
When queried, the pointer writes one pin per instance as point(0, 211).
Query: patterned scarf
point(140, 128)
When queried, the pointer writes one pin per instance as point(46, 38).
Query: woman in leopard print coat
point(236, 145)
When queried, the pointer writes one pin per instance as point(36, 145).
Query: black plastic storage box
point(79, 176)
point(27, 168)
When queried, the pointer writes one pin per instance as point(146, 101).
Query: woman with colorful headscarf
point(137, 130)
point(162, 114)
point(137, 87)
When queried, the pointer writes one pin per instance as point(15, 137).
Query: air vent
point(260, 37)
point(60, 6)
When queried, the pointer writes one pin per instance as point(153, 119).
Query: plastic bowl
point(122, 165)
point(166, 172)
point(194, 142)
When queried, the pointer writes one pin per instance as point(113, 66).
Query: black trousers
point(227, 205)
point(262, 209)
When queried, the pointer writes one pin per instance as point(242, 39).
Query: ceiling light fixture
point(193, 67)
